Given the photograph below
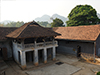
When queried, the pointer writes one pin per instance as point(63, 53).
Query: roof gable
point(31, 29)
point(87, 33)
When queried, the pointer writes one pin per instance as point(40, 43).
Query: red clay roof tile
point(88, 33)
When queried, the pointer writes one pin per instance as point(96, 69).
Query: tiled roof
point(4, 31)
point(88, 33)
point(31, 30)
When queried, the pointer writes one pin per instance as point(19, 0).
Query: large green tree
point(57, 23)
point(82, 15)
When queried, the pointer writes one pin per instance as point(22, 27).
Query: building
point(85, 37)
point(5, 44)
point(30, 42)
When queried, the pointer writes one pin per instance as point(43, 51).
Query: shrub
point(98, 73)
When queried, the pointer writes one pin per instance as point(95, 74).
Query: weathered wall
point(15, 52)
point(98, 46)
point(7, 44)
point(71, 47)
point(1, 45)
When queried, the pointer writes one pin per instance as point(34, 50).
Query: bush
point(98, 73)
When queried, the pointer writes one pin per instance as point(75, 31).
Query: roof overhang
point(77, 40)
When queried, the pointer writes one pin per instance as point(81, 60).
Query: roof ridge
point(31, 29)
point(26, 25)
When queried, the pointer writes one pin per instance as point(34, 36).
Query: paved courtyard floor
point(63, 69)
point(71, 66)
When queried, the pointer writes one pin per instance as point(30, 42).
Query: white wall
point(15, 52)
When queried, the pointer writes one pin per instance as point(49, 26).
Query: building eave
point(77, 40)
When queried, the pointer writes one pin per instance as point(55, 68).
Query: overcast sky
point(28, 10)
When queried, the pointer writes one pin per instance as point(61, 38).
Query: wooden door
point(4, 53)
point(78, 51)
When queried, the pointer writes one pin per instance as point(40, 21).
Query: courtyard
point(64, 65)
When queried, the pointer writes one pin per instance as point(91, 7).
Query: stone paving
point(71, 66)
point(54, 69)
point(69, 59)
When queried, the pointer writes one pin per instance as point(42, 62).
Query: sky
point(28, 10)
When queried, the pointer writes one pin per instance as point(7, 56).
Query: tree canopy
point(44, 24)
point(12, 24)
point(18, 24)
point(82, 15)
point(57, 23)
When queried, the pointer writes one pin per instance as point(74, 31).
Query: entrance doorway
point(40, 56)
point(29, 56)
point(49, 54)
point(78, 51)
point(4, 53)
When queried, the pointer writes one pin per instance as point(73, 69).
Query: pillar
point(54, 53)
point(36, 57)
point(45, 55)
point(23, 59)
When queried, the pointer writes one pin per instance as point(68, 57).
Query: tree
point(1, 25)
point(18, 24)
point(44, 24)
point(57, 23)
point(14, 24)
point(82, 15)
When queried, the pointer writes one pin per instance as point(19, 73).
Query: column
point(45, 55)
point(36, 57)
point(54, 53)
point(23, 59)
